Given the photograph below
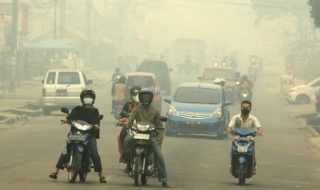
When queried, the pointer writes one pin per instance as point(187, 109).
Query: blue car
point(198, 108)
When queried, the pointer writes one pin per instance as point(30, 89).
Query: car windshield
point(211, 74)
point(68, 78)
point(154, 65)
point(197, 95)
point(313, 81)
point(143, 81)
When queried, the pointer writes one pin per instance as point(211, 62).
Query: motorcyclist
point(254, 66)
point(134, 92)
point(145, 112)
point(119, 91)
point(221, 82)
point(87, 113)
point(215, 60)
point(115, 74)
point(245, 82)
point(245, 121)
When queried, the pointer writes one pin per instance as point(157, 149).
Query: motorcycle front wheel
point(75, 167)
point(138, 169)
point(242, 178)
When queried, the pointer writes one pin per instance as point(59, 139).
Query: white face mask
point(87, 100)
point(136, 98)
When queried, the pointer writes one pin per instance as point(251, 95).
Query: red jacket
point(248, 82)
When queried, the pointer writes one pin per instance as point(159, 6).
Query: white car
point(304, 94)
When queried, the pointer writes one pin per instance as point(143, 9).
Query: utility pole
point(55, 19)
point(63, 18)
point(14, 31)
point(88, 29)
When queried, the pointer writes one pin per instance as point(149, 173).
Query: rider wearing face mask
point(245, 121)
point(134, 92)
point(145, 112)
point(245, 82)
point(87, 113)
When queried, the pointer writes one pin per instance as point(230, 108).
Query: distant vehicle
point(62, 87)
point(195, 49)
point(161, 71)
point(146, 80)
point(197, 108)
point(212, 72)
point(304, 94)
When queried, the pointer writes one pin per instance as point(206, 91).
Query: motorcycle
point(78, 148)
point(252, 74)
point(118, 105)
point(242, 159)
point(245, 93)
point(141, 155)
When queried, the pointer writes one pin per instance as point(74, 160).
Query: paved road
point(29, 153)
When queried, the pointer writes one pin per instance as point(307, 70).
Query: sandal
point(103, 180)
point(165, 184)
point(127, 169)
point(53, 175)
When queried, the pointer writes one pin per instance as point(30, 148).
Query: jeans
point(158, 157)
point(94, 155)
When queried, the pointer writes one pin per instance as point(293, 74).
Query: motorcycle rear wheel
point(242, 178)
point(75, 167)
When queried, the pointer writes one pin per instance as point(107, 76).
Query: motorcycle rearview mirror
point(65, 110)
point(124, 114)
point(162, 118)
point(100, 117)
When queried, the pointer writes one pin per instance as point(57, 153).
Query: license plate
point(62, 92)
point(142, 136)
point(77, 138)
point(193, 122)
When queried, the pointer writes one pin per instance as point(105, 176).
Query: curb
point(15, 115)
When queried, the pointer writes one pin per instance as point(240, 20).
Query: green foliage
point(270, 9)
point(315, 12)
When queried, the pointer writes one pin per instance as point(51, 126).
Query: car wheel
point(221, 136)
point(302, 99)
point(46, 111)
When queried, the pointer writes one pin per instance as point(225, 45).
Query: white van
point(62, 88)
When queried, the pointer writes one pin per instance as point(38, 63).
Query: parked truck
point(192, 48)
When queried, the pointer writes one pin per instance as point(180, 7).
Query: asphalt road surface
point(29, 153)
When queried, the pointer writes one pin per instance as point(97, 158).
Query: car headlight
point(173, 111)
point(216, 113)
point(142, 127)
point(242, 149)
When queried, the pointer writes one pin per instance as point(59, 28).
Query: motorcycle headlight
point(242, 149)
point(216, 113)
point(142, 127)
point(173, 111)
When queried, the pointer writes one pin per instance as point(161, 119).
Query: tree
point(315, 12)
point(273, 9)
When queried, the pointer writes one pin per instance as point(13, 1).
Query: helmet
point(117, 69)
point(87, 92)
point(135, 90)
point(217, 81)
point(145, 97)
point(244, 77)
point(223, 81)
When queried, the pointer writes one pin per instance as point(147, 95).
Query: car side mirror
point(168, 100)
point(89, 82)
point(65, 110)
point(170, 69)
point(227, 103)
point(199, 78)
point(42, 81)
